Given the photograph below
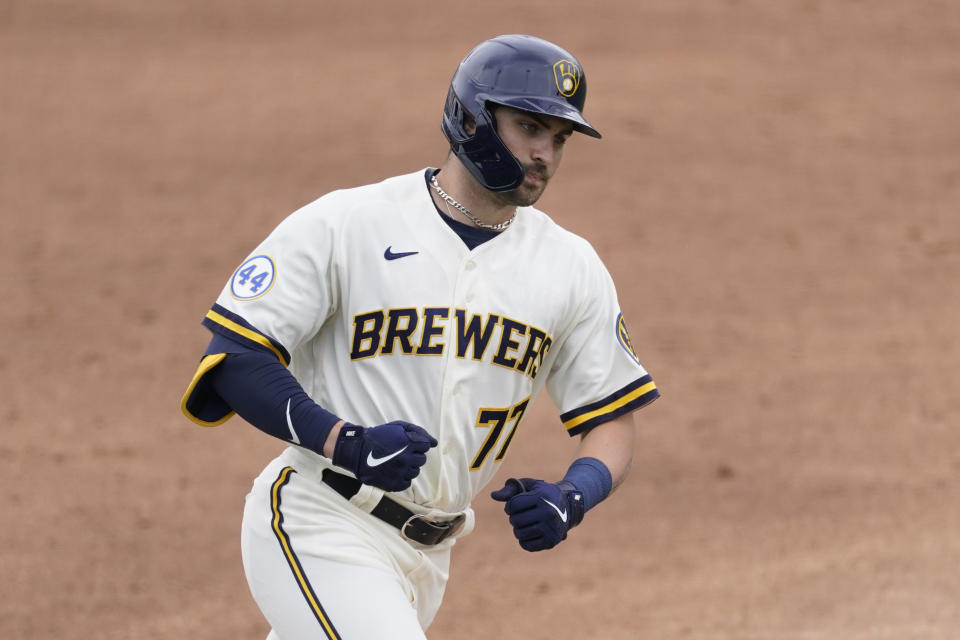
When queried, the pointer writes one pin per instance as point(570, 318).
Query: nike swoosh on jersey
point(390, 255)
point(376, 462)
point(293, 433)
point(562, 514)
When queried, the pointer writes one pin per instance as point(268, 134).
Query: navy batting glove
point(541, 512)
point(388, 456)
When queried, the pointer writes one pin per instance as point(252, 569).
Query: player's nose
point(544, 151)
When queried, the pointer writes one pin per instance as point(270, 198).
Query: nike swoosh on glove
point(388, 456)
point(540, 512)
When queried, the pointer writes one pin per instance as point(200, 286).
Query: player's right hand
point(388, 456)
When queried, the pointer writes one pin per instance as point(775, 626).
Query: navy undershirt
point(473, 237)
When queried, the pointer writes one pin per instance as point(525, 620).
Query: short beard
point(524, 196)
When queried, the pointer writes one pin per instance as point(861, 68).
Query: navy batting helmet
point(519, 71)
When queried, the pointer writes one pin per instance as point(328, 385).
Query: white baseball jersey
point(385, 314)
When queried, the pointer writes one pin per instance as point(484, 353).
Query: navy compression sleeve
point(592, 478)
point(264, 393)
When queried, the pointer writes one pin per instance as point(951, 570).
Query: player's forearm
point(602, 462)
point(267, 395)
point(612, 443)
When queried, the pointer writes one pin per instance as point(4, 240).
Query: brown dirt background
point(776, 195)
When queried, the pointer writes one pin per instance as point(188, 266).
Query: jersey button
point(468, 297)
point(470, 266)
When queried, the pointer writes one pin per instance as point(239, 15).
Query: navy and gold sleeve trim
point(220, 320)
point(631, 397)
point(200, 403)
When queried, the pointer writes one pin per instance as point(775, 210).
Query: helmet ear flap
point(481, 150)
point(454, 124)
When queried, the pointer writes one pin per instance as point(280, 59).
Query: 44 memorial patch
point(253, 278)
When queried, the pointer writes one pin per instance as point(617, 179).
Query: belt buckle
point(440, 530)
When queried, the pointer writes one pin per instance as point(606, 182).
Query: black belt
point(411, 525)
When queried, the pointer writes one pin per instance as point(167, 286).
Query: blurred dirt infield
point(776, 195)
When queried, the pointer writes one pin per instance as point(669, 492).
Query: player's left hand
point(541, 512)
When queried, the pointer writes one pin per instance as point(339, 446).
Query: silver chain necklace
point(500, 226)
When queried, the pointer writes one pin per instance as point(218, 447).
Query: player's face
point(537, 142)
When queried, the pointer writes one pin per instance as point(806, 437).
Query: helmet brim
point(546, 106)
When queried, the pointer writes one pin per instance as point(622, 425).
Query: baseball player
point(395, 334)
